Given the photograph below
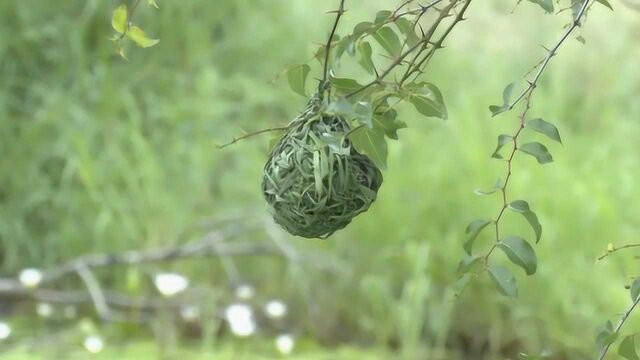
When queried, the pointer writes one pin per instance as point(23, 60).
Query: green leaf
point(545, 128)
point(365, 57)
point(388, 124)
point(537, 150)
point(406, 28)
point(461, 284)
point(362, 28)
point(119, 19)
point(635, 289)
point(496, 187)
point(502, 141)
point(360, 111)
point(520, 252)
point(473, 230)
point(153, 3)
point(344, 85)
point(470, 264)
point(387, 38)
point(140, 38)
point(346, 44)
point(506, 100)
point(372, 143)
point(627, 348)
point(522, 207)
point(427, 99)
point(605, 335)
point(546, 5)
point(605, 3)
point(504, 280)
point(297, 76)
point(382, 16)
point(497, 109)
point(507, 92)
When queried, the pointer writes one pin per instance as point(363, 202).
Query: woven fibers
point(313, 185)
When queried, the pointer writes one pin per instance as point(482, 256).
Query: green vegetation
point(100, 154)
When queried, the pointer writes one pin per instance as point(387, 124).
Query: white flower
point(44, 310)
point(240, 319)
point(30, 277)
point(245, 292)
point(5, 330)
point(189, 312)
point(276, 309)
point(93, 344)
point(285, 343)
point(170, 284)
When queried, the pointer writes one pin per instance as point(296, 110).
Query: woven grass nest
point(316, 186)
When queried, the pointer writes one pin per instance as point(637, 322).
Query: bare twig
point(552, 52)
point(327, 48)
point(615, 249)
point(246, 136)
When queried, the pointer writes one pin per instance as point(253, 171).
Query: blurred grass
point(100, 154)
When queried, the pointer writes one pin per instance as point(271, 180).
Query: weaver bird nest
point(314, 184)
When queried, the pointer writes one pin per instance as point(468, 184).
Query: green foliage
point(297, 77)
point(520, 252)
point(545, 128)
point(121, 22)
point(627, 348)
point(504, 280)
point(537, 150)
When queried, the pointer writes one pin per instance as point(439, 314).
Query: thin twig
point(327, 48)
point(545, 62)
point(246, 136)
point(624, 318)
point(615, 249)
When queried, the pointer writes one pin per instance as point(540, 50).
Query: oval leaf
point(119, 19)
point(522, 207)
point(502, 141)
point(427, 99)
point(372, 143)
point(537, 150)
point(387, 38)
point(365, 57)
point(297, 76)
point(140, 38)
point(520, 252)
point(545, 128)
point(504, 280)
point(473, 230)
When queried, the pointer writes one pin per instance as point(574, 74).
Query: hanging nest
point(314, 184)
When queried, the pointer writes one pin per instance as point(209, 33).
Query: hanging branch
point(527, 95)
point(423, 43)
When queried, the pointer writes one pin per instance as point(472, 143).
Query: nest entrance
point(313, 186)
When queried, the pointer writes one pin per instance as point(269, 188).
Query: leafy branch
point(121, 22)
point(608, 334)
point(518, 250)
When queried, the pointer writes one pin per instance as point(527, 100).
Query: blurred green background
point(102, 155)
